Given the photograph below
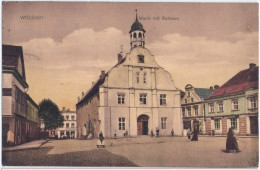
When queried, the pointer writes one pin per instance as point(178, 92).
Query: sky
point(67, 44)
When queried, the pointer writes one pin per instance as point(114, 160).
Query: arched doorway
point(142, 125)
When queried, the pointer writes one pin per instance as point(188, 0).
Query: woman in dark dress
point(195, 134)
point(231, 143)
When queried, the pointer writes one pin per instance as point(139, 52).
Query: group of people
point(231, 142)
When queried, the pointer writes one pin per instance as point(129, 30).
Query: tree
point(51, 114)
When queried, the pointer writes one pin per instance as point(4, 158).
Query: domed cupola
point(137, 34)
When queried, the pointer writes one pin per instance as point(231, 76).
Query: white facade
point(69, 129)
point(131, 79)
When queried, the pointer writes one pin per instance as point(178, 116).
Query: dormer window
point(140, 59)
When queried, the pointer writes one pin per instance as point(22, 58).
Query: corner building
point(136, 96)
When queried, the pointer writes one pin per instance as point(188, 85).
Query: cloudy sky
point(66, 45)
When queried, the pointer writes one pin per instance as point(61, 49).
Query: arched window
point(139, 35)
point(134, 35)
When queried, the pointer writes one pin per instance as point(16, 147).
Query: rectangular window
point(137, 77)
point(67, 125)
point(142, 98)
point(188, 94)
point(235, 105)
point(61, 133)
point(72, 125)
point(185, 100)
point(196, 110)
point(72, 117)
point(220, 107)
point(140, 59)
point(189, 111)
point(252, 103)
point(67, 117)
point(192, 100)
point(217, 124)
point(234, 123)
point(121, 98)
point(183, 111)
point(211, 107)
point(144, 77)
point(163, 122)
point(121, 122)
point(162, 99)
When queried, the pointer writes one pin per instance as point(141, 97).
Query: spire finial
point(136, 15)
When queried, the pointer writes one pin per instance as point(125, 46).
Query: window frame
point(121, 123)
point(120, 98)
point(217, 124)
point(183, 111)
point(143, 98)
point(163, 122)
point(189, 111)
point(220, 107)
point(235, 105)
point(233, 121)
point(211, 107)
point(137, 77)
point(162, 99)
point(140, 58)
point(196, 110)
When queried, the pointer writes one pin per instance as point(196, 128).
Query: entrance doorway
point(142, 125)
point(254, 125)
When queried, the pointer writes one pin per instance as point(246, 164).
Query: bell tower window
point(140, 35)
point(134, 35)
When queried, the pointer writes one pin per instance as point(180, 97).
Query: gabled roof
point(242, 81)
point(95, 89)
point(11, 56)
point(203, 93)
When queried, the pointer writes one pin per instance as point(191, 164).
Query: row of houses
point(21, 122)
point(215, 110)
point(138, 97)
point(20, 119)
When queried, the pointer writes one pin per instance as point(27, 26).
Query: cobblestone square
point(142, 151)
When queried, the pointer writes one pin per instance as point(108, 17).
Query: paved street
point(141, 151)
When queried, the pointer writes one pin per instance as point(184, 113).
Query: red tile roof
point(244, 80)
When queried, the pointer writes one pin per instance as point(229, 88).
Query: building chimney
point(102, 75)
point(119, 57)
point(211, 88)
point(216, 87)
point(63, 108)
point(68, 109)
point(82, 94)
point(78, 98)
point(252, 65)
point(93, 83)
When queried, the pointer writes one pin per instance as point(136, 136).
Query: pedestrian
point(188, 133)
point(231, 143)
point(195, 134)
point(115, 135)
point(172, 132)
point(126, 133)
point(152, 133)
point(157, 132)
point(101, 137)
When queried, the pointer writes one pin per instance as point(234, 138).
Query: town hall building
point(135, 97)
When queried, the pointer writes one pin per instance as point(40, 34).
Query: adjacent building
point(14, 89)
point(69, 129)
point(33, 120)
point(193, 107)
point(135, 97)
point(235, 104)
